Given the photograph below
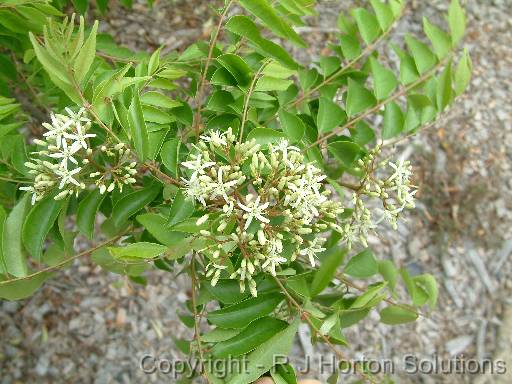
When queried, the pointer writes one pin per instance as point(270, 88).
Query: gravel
point(88, 326)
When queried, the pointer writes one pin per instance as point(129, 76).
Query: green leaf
point(264, 136)
point(395, 314)
point(345, 151)
point(408, 70)
point(138, 128)
point(133, 202)
point(463, 74)
point(227, 291)
point(428, 283)
point(369, 298)
point(350, 47)
point(362, 265)
point(155, 224)
point(181, 209)
point(155, 115)
point(3, 218)
point(219, 334)
point(255, 334)
point(330, 115)
point(38, 223)
point(333, 258)
point(159, 99)
point(142, 250)
point(86, 214)
point(12, 249)
point(384, 80)
point(367, 24)
point(170, 154)
point(154, 62)
point(241, 314)
point(393, 121)
point(21, 289)
point(237, 67)
point(421, 53)
point(244, 26)
point(389, 272)
point(456, 21)
point(86, 56)
point(440, 40)
point(268, 16)
point(358, 98)
point(269, 83)
point(444, 88)
point(262, 358)
point(384, 14)
point(291, 125)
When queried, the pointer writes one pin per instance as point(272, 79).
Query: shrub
point(259, 177)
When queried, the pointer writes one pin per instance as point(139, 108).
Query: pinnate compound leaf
point(395, 314)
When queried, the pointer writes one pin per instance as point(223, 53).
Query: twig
point(202, 83)
point(64, 262)
point(377, 107)
point(197, 318)
point(248, 97)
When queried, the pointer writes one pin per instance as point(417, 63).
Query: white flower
point(254, 210)
point(66, 176)
point(217, 138)
point(57, 128)
point(67, 153)
point(197, 166)
point(194, 190)
point(31, 190)
point(284, 148)
point(221, 187)
point(403, 170)
point(311, 251)
point(80, 136)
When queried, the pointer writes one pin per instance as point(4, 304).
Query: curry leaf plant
point(258, 176)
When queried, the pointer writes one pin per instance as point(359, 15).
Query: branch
point(202, 84)
point(377, 107)
point(64, 262)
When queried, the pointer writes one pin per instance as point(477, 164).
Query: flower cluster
point(394, 190)
point(66, 161)
point(265, 205)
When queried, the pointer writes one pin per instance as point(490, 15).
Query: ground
point(87, 326)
